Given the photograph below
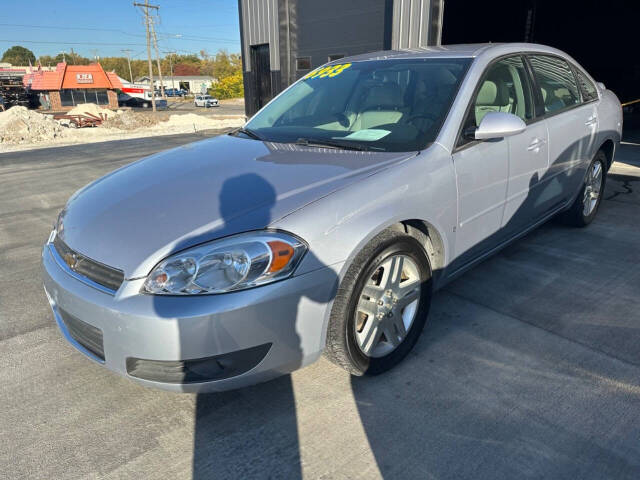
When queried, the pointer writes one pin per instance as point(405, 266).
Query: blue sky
point(104, 28)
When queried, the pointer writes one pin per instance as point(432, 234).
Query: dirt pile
point(195, 123)
point(22, 129)
point(20, 125)
point(92, 109)
point(130, 120)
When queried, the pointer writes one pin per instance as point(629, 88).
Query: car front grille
point(108, 277)
point(86, 335)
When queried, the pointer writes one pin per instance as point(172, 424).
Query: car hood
point(135, 216)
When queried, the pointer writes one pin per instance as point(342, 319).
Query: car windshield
point(386, 105)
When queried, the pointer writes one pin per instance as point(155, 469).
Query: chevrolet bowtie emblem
point(71, 260)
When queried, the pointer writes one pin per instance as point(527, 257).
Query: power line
point(70, 43)
point(98, 29)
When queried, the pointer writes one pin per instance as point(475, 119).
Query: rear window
point(556, 82)
point(589, 91)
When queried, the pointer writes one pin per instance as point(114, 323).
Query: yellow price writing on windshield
point(328, 72)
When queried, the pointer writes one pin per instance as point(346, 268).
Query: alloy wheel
point(592, 188)
point(387, 305)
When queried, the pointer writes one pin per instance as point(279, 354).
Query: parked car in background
point(174, 92)
point(327, 222)
point(206, 101)
point(137, 102)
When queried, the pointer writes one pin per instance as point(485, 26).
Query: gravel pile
point(130, 120)
point(192, 122)
point(92, 109)
point(18, 125)
point(22, 129)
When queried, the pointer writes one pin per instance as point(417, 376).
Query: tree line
point(223, 66)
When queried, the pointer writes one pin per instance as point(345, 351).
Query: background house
point(192, 83)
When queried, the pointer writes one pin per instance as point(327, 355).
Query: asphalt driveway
point(528, 368)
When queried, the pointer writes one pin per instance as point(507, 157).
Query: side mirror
point(499, 125)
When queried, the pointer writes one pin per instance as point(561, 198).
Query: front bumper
point(283, 324)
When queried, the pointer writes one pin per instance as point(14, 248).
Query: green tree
point(221, 65)
point(70, 58)
point(230, 86)
point(47, 61)
point(18, 55)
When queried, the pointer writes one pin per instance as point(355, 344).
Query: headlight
point(233, 263)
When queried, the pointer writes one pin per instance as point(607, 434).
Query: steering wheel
point(342, 119)
point(421, 115)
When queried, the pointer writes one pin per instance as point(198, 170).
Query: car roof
point(471, 50)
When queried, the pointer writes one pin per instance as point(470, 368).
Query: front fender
point(337, 226)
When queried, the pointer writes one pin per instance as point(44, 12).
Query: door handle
point(535, 144)
point(592, 120)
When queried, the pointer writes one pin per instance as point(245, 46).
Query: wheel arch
point(608, 147)
point(433, 243)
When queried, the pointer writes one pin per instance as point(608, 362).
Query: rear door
point(497, 179)
point(572, 126)
point(528, 151)
point(590, 99)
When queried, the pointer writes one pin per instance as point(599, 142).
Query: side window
point(503, 88)
point(589, 91)
point(556, 82)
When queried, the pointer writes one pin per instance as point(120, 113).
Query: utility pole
point(155, 46)
point(147, 20)
point(171, 54)
point(128, 53)
point(73, 56)
point(95, 54)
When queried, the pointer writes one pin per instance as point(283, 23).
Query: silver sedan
point(330, 219)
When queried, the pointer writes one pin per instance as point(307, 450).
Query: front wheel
point(382, 304)
point(584, 208)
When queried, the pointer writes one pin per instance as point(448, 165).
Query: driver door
point(483, 168)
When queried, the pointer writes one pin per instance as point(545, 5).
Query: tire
point(146, 105)
point(580, 214)
point(349, 332)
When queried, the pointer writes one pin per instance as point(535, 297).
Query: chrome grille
point(108, 277)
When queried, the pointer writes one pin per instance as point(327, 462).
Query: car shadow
point(484, 395)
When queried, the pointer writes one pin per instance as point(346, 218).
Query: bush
point(228, 87)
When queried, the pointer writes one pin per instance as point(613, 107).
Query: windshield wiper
point(309, 142)
point(247, 132)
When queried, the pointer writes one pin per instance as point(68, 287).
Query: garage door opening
point(260, 65)
point(599, 35)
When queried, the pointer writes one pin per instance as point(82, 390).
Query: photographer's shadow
point(252, 432)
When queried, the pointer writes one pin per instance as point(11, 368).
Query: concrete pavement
point(528, 368)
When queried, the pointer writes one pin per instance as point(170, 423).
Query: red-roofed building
point(71, 85)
